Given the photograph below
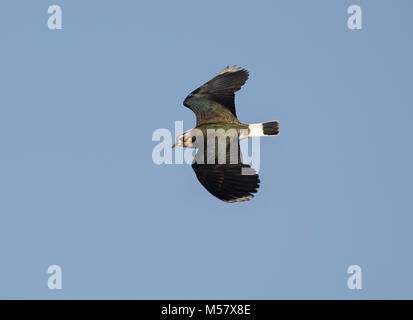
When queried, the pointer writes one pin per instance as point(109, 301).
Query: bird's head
point(186, 140)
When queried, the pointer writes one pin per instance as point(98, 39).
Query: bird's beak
point(173, 146)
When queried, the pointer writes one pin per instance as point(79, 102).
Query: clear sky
point(79, 189)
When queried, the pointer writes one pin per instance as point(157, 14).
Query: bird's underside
point(214, 107)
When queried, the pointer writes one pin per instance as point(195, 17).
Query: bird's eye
point(193, 139)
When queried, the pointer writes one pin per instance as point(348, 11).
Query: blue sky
point(79, 188)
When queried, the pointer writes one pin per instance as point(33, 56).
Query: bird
point(218, 162)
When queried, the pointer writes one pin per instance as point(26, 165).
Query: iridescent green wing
point(214, 102)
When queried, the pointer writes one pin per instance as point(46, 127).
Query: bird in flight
point(218, 162)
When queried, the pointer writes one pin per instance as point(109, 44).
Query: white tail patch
point(265, 129)
point(255, 130)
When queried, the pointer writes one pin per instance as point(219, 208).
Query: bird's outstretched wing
point(226, 182)
point(214, 100)
point(232, 181)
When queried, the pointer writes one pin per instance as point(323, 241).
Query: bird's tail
point(271, 128)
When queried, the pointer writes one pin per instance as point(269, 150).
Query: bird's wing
point(214, 100)
point(230, 182)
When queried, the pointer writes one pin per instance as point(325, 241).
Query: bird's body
point(226, 126)
point(218, 162)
